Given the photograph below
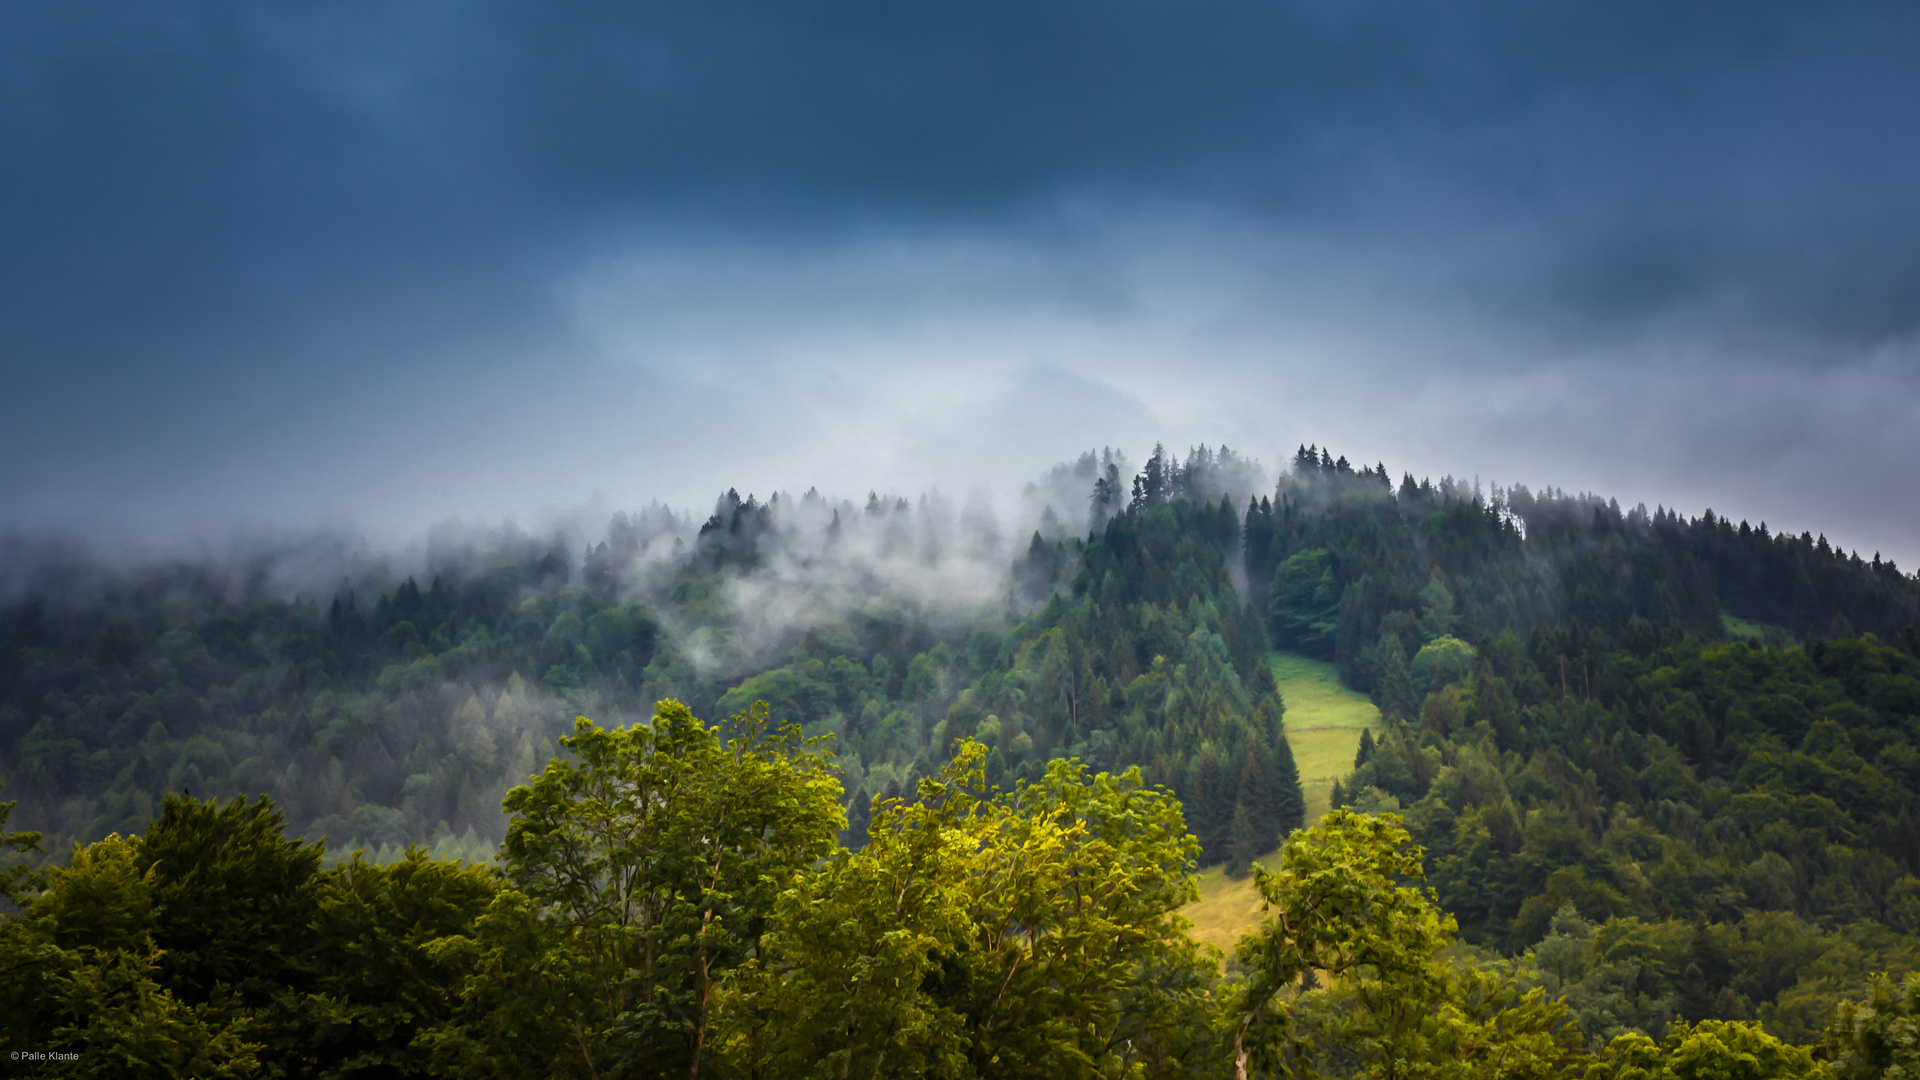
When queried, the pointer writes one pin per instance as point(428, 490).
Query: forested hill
point(385, 712)
point(382, 712)
point(1358, 571)
point(1124, 626)
point(1152, 658)
point(1688, 828)
point(1663, 775)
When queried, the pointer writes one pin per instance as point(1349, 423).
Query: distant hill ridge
point(394, 712)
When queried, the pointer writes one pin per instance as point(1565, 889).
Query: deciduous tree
point(638, 870)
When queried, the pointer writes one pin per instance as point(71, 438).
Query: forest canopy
point(670, 901)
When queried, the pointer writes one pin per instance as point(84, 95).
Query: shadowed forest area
point(1643, 794)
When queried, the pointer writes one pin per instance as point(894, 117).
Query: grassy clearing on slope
point(1228, 907)
point(1324, 721)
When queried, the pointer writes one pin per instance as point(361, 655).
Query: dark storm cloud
point(187, 163)
point(427, 246)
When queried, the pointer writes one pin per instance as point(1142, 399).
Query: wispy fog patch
point(70, 571)
point(828, 561)
point(794, 566)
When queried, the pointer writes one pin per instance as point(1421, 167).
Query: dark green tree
point(1304, 601)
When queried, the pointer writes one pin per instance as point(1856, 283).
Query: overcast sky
point(381, 264)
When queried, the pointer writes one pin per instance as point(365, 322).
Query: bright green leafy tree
point(1709, 1050)
point(637, 871)
point(1342, 908)
point(984, 934)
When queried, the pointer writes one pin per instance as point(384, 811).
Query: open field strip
point(1324, 721)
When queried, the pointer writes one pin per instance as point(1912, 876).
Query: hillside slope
point(1324, 722)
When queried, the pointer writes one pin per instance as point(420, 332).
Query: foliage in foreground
point(670, 901)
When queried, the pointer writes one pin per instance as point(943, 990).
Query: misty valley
point(1183, 770)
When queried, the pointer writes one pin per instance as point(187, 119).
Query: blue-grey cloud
point(222, 152)
point(387, 259)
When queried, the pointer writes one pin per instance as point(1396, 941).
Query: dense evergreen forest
point(405, 719)
point(1661, 773)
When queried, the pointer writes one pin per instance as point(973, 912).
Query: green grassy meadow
point(1324, 721)
point(1228, 907)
